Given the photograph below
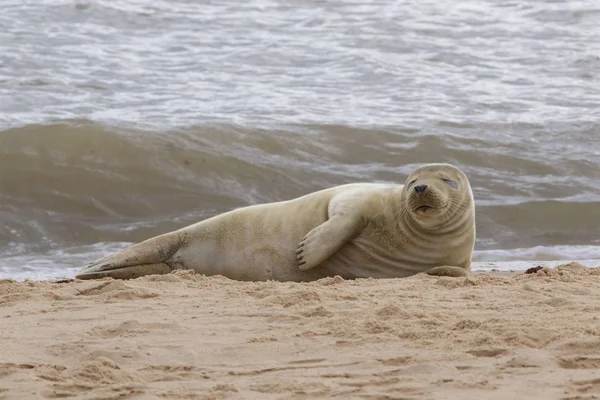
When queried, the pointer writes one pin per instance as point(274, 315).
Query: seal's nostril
point(420, 188)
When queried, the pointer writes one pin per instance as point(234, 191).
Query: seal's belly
point(370, 257)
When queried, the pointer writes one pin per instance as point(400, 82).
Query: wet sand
point(185, 336)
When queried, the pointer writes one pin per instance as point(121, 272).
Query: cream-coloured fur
point(354, 230)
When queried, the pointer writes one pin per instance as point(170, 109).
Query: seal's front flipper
point(447, 270)
point(321, 242)
point(145, 258)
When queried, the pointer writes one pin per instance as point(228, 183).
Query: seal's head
point(437, 195)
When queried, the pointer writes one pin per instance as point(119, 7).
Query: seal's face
point(434, 193)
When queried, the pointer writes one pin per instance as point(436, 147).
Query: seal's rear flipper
point(126, 272)
point(145, 258)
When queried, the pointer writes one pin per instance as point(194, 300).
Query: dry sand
point(186, 336)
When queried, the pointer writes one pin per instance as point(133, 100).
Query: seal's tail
point(145, 258)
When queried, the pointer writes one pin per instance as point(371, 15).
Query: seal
point(356, 230)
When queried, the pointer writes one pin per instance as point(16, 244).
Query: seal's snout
point(426, 199)
point(420, 188)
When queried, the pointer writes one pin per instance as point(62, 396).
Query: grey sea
point(121, 120)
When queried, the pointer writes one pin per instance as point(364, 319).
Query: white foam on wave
point(523, 258)
point(541, 253)
point(55, 264)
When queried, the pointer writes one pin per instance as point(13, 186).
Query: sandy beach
point(186, 336)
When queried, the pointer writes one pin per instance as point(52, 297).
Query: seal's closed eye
point(451, 183)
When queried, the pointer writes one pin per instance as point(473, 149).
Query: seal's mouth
point(424, 208)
